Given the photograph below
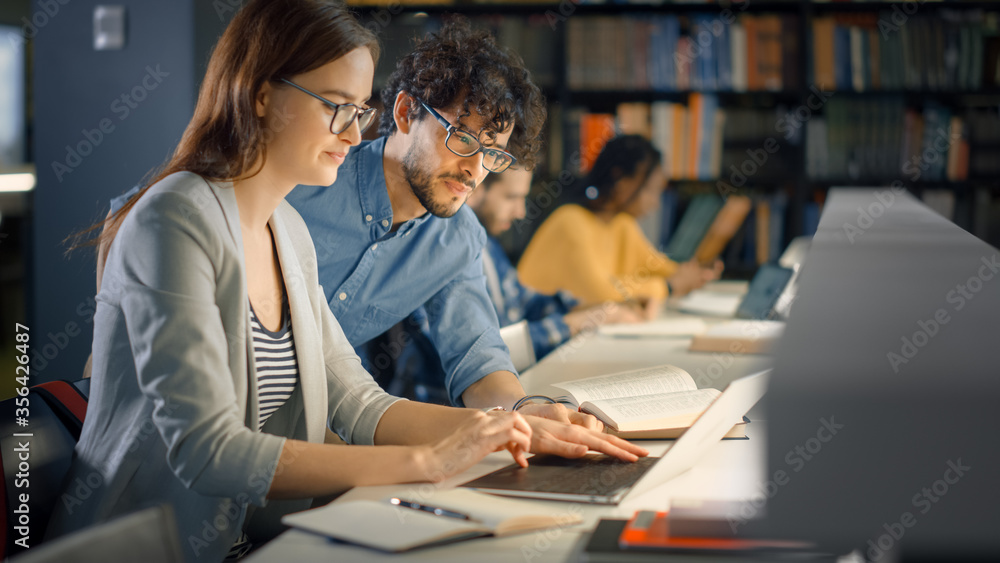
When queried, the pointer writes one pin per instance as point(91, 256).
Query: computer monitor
point(880, 409)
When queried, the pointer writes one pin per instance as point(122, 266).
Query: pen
point(427, 508)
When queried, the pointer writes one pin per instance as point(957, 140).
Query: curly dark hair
point(460, 61)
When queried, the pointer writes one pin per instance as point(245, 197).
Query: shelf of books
point(916, 91)
point(775, 100)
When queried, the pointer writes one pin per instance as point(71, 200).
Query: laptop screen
point(765, 289)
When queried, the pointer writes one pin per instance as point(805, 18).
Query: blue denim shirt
point(373, 278)
point(514, 302)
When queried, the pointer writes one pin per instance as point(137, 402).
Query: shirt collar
point(370, 180)
point(373, 191)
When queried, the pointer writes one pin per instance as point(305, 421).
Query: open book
point(658, 403)
point(391, 527)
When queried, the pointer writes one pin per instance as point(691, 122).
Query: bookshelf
point(809, 105)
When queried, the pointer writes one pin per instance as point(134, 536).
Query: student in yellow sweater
point(595, 249)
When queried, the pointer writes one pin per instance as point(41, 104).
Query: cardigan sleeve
point(169, 253)
point(356, 402)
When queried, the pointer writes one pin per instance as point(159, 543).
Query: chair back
point(518, 341)
point(149, 535)
point(38, 433)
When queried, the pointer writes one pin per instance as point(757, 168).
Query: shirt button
point(368, 218)
point(374, 246)
point(342, 296)
point(385, 222)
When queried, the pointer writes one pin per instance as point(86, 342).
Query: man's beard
point(420, 183)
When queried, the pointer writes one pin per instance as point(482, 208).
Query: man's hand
point(572, 440)
point(562, 414)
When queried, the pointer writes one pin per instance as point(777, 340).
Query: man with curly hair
point(393, 234)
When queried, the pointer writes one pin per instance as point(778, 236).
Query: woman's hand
point(628, 312)
point(691, 275)
point(486, 433)
point(651, 307)
point(713, 272)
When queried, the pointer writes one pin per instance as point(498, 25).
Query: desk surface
point(732, 470)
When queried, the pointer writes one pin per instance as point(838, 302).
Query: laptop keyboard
point(593, 474)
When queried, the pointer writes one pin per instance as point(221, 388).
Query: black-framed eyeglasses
point(343, 114)
point(463, 143)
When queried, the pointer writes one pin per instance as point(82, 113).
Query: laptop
point(601, 479)
point(795, 255)
point(767, 286)
point(793, 258)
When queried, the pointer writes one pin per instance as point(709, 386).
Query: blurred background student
point(593, 246)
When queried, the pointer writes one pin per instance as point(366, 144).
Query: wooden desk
point(733, 469)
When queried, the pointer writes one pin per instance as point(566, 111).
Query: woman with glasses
point(217, 364)
point(594, 247)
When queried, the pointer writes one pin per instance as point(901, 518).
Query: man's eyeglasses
point(343, 114)
point(463, 143)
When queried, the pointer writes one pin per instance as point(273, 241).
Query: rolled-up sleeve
point(180, 348)
point(465, 331)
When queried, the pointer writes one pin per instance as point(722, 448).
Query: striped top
point(277, 368)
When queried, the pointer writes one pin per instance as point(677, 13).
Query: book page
point(685, 405)
point(629, 409)
point(648, 381)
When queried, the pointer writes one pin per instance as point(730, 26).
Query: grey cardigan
point(173, 406)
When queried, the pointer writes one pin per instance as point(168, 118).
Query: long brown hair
point(267, 40)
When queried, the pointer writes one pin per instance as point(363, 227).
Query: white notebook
point(659, 328)
point(387, 527)
point(708, 303)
